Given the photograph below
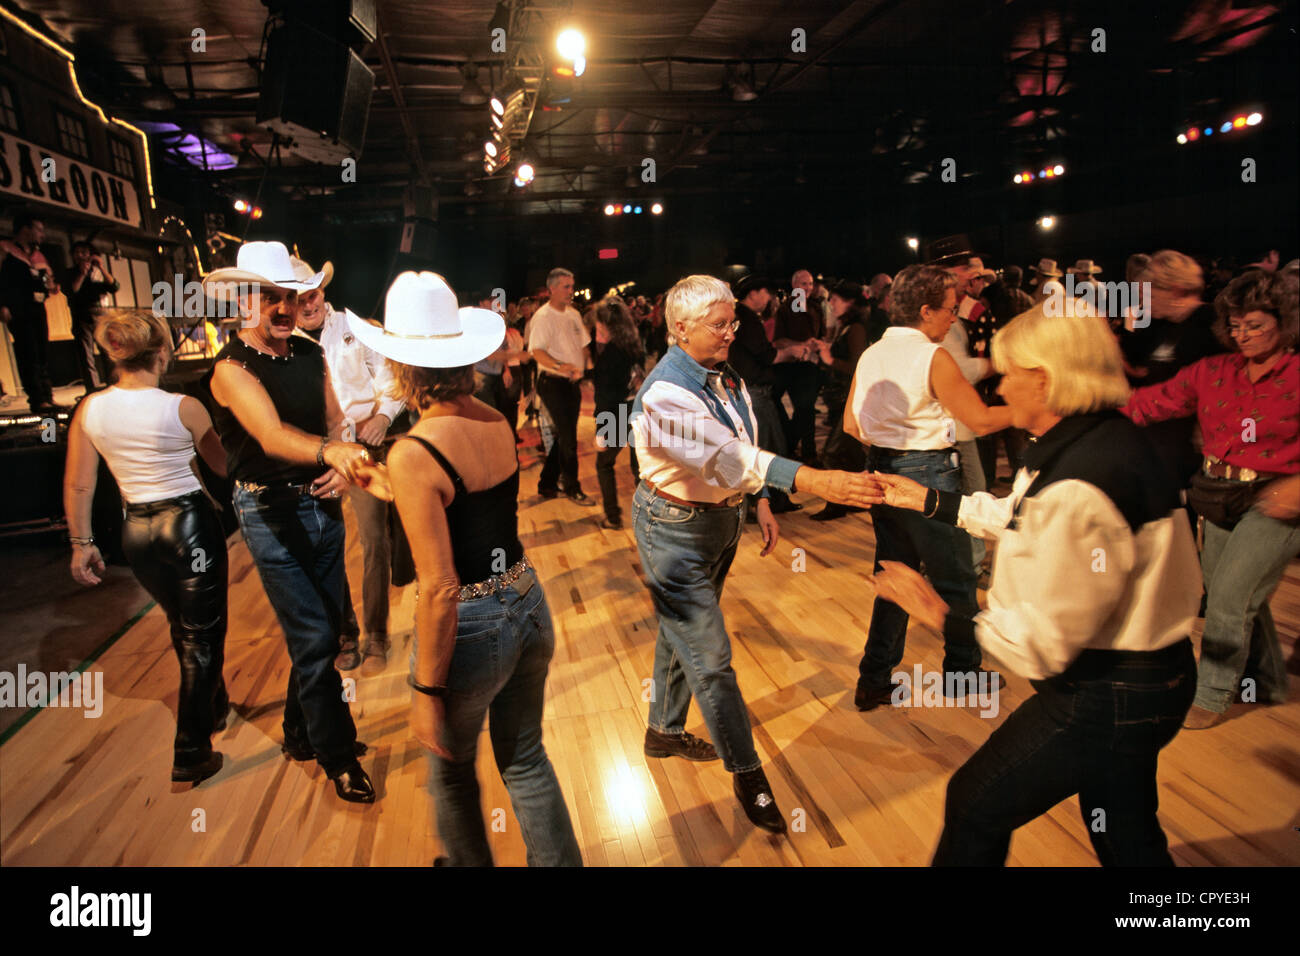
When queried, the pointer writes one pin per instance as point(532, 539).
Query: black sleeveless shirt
point(484, 525)
point(296, 384)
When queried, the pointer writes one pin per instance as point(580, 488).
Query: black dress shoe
point(869, 698)
point(612, 524)
point(304, 751)
point(580, 497)
point(830, 513)
point(548, 493)
point(194, 773)
point(971, 682)
point(683, 745)
point(353, 785)
point(755, 796)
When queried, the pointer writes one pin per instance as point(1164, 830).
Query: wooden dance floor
point(77, 791)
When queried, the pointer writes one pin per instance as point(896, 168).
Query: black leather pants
point(178, 552)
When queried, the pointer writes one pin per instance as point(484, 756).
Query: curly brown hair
point(914, 287)
point(1259, 291)
point(420, 387)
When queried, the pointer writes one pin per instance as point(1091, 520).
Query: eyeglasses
point(1244, 330)
point(721, 330)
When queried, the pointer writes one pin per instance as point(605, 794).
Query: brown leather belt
point(731, 502)
point(1221, 469)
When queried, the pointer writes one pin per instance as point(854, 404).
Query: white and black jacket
point(1094, 550)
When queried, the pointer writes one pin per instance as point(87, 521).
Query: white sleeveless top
point(138, 432)
point(892, 400)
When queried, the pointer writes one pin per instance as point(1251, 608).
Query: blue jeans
point(686, 553)
point(1095, 730)
point(908, 537)
point(297, 545)
point(504, 645)
point(1242, 568)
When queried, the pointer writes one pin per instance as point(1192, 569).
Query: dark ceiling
point(885, 92)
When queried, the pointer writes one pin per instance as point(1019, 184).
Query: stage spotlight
point(1208, 131)
point(1046, 223)
point(1058, 169)
point(913, 243)
point(1182, 139)
point(579, 65)
point(636, 210)
point(1193, 134)
point(241, 206)
point(509, 97)
point(526, 172)
point(1238, 122)
point(490, 148)
point(1226, 127)
point(1254, 119)
point(257, 212)
point(1017, 178)
point(1050, 173)
point(627, 208)
point(570, 43)
point(656, 209)
point(609, 209)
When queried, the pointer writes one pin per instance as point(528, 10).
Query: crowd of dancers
point(1127, 428)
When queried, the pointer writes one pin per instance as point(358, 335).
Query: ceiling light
point(912, 243)
point(571, 44)
point(1058, 169)
point(526, 172)
point(471, 94)
point(656, 209)
point(1046, 223)
point(1253, 119)
point(609, 209)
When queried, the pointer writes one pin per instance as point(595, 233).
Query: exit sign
point(608, 253)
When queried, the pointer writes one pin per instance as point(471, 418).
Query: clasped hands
point(351, 463)
point(863, 489)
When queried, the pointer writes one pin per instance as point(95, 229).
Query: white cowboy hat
point(422, 325)
point(1085, 266)
point(265, 263)
point(1047, 267)
point(304, 273)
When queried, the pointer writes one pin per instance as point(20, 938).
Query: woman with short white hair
point(1093, 597)
point(694, 429)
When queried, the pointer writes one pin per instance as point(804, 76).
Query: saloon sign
point(39, 175)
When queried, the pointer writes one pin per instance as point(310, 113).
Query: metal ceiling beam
point(395, 88)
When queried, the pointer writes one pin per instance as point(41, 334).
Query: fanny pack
point(1220, 501)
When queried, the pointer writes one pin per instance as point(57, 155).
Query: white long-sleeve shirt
point(1073, 575)
point(686, 450)
point(360, 376)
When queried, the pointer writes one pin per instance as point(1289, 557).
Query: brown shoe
point(1198, 718)
point(348, 659)
point(374, 657)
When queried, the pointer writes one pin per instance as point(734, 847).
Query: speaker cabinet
point(316, 92)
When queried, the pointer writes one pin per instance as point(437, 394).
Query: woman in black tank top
point(483, 630)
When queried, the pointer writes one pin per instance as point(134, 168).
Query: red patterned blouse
point(1247, 424)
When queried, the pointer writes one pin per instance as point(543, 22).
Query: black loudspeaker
point(351, 21)
point(316, 92)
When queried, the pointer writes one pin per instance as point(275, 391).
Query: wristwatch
point(428, 691)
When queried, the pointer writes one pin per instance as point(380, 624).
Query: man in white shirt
point(558, 341)
point(361, 379)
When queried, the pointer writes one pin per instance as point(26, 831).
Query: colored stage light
point(1225, 127)
point(241, 206)
point(1238, 122)
point(1209, 131)
point(1193, 134)
point(627, 208)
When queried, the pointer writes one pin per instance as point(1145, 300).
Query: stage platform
point(85, 791)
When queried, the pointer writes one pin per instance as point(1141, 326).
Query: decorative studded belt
point(497, 582)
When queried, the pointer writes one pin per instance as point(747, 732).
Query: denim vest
point(678, 368)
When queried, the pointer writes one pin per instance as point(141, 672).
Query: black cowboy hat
point(749, 283)
point(949, 251)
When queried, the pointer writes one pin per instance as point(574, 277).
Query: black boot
point(755, 796)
